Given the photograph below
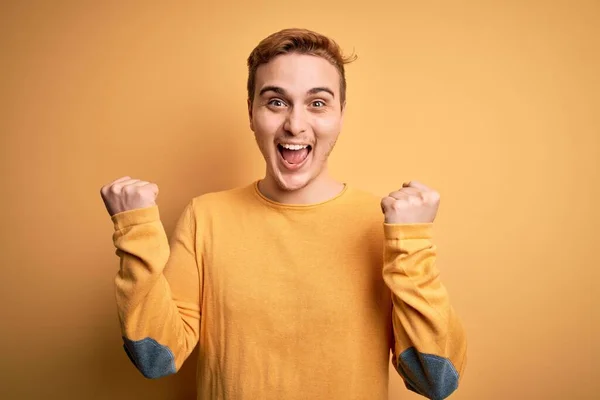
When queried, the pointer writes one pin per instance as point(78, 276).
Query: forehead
point(298, 73)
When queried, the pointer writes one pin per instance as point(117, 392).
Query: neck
point(320, 189)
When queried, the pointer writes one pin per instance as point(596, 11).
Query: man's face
point(296, 102)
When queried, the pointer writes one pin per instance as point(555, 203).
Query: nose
point(295, 122)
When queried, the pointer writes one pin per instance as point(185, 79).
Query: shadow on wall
point(204, 160)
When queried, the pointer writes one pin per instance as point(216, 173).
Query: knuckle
point(387, 202)
point(434, 196)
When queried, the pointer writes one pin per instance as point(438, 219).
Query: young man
point(296, 286)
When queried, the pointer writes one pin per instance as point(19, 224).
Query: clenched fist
point(126, 194)
point(414, 203)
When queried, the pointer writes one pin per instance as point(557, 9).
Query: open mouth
point(294, 156)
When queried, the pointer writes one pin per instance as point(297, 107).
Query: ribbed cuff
point(135, 217)
point(408, 231)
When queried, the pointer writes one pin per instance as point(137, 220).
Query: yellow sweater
point(286, 301)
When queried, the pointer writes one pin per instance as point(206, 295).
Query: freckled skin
point(298, 116)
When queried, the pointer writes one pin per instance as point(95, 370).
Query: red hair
point(300, 41)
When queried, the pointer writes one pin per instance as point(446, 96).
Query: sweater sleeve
point(429, 349)
point(157, 289)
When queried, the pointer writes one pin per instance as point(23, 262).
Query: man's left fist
point(414, 203)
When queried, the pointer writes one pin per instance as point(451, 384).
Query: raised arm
point(158, 283)
point(429, 350)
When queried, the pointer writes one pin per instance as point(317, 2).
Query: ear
point(342, 114)
point(250, 115)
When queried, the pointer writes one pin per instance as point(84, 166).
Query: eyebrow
point(282, 92)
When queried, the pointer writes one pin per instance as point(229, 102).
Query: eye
point(318, 103)
point(276, 103)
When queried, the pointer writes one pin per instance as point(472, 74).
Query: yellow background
point(494, 104)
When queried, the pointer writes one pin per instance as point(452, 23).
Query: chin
point(292, 182)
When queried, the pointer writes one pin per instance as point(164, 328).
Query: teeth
point(294, 146)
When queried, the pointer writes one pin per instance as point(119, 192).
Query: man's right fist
point(126, 194)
